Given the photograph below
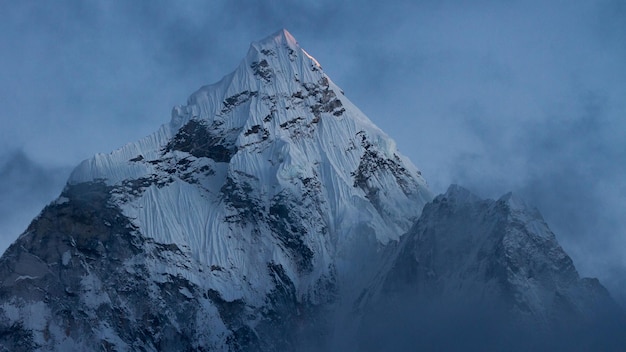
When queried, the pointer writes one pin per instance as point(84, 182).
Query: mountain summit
point(255, 201)
point(269, 213)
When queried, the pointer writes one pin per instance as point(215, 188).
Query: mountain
point(250, 206)
point(269, 214)
point(478, 275)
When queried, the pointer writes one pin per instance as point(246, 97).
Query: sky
point(497, 96)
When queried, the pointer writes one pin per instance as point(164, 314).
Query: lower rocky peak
point(478, 266)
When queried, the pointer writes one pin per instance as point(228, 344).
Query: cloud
point(26, 187)
point(504, 97)
point(565, 161)
point(495, 95)
point(475, 326)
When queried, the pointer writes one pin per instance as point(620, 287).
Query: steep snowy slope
point(254, 204)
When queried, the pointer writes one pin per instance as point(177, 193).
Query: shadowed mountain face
point(478, 274)
point(270, 214)
point(83, 278)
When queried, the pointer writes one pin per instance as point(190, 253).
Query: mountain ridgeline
point(270, 214)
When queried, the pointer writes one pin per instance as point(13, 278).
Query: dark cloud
point(467, 326)
point(494, 95)
point(568, 165)
point(26, 187)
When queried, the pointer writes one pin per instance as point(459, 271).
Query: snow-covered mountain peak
point(272, 164)
point(276, 40)
point(281, 41)
point(268, 212)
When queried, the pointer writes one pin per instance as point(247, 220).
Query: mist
point(26, 187)
point(495, 96)
point(406, 324)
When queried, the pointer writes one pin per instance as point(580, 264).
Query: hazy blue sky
point(498, 96)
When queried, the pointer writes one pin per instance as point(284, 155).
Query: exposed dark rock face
point(373, 167)
point(200, 140)
point(236, 193)
point(285, 225)
point(325, 98)
point(283, 219)
point(262, 70)
point(234, 101)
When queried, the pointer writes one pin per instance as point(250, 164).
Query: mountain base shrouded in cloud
point(495, 96)
point(477, 275)
point(271, 214)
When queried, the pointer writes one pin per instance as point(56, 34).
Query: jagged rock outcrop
point(489, 275)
